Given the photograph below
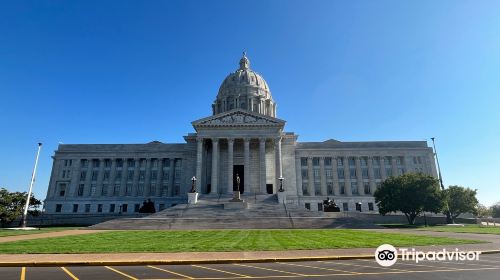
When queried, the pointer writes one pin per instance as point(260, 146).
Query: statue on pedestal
point(330, 206)
point(236, 193)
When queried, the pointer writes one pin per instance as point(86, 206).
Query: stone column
point(246, 162)
point(394, 166)
point(383, 175)
point(230, 148)
point(262, 158)
point(135, 181)
point(310, 176)
point(159, 178)
point(171, 173)
point(123, 187)
point(347, 177)
point(75, 177)
point(279, 164)
point(215, 165)
point(322, 175)
point(111, 180)
point(371, 175)
point(335, 176)
point(359, 177)
point(147, 180)
point(98, 190)
point(199, 161)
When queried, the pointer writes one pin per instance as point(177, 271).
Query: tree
point(460, 200)
point(12, 206)
point(411, 193)
point(482, 211)
point(495, 210)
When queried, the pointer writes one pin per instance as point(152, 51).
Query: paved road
point(488, 267)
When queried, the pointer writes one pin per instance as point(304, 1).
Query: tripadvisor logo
point(387, 255)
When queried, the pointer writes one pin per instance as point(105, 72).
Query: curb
point(188, 262)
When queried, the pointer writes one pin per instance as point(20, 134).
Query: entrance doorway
point(240, 170)
point(269, 188)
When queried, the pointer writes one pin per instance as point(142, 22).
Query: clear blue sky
point(137, 71)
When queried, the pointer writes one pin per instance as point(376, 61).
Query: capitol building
point(243, 136)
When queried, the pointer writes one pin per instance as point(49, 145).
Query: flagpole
point(25, 214)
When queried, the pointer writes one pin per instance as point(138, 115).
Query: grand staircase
point(263, 212)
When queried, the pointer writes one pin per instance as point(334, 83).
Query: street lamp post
point(26, 206)
point(448, 214)
point(281, 184)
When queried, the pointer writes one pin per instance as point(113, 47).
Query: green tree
point(482, 211)
point(460, 200)
point(412, 194)
point(495, 210)
point(12, 205)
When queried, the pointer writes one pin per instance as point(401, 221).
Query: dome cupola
point(244, 89)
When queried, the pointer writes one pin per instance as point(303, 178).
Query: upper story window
point(352, 161)
point(95, 163)
point(107, 163)
point(340, 161)
point(166, 162)
point(119, 163)
point(399, 160)
point(328, 161)
point(84, 163)
point(130, 163)
point(364, 161)
point(315, 161)
point(303, 162)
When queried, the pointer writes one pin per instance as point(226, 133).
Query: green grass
point(11, 232)
point(219, 240)
point(472, 228)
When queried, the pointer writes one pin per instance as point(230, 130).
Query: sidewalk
point(231, 257)
point(47, 234)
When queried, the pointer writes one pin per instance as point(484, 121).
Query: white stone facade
point(242, 136)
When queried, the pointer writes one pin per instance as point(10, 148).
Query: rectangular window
point(399, 160)
point(178, 163)
point(58, 208)
point(388, 172)
point(87, 208)
point(328, 161)
point(116, 190)
point(140, 189)
point(130, 175)
point(104, 190)
point(99, 208)
point(111, 208)
point(305, 174)
point(316, 174)
point(308, 206)
point(142, 163)
point(376, 161)
point(166, 162)
point(118, 176)
point(352, 172)
point(317, 189)
point(106, 175)
point(352, 161)
point(166, 175)
point(84, 163)
point(154, 163)
point(329, 188)
point(364, 173)
point(342, 188)
point(80, 189)
point(83, 175)
point(95, 163)
point(119, 163)
point(137, 207)
point(154, 175)
point(124, 208)
point(94, 175)
point(370, 206)
point(142, 175)
point(367, 188)
point(320, 206)
point(75, 208)
point(177, 175)
point(107, 163)
point(128, 189)
point(164, 189)
point(364, 161)
point(354, 188)
point(152, 189)
point(340, 161)
point(177, 190)
point(340, 173)
point(303, 162)
point(328, 174)
point(387, 160)
point(315, 161)
point(62, 189)
point(130, 163)
point(305, 191)
point(345, 206)
point(93, 188)
point(376, 172)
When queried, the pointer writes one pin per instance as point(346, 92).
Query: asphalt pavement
point(488, 267)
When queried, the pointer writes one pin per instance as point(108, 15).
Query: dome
point(244, 89)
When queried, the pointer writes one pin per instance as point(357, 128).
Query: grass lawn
point(11, 232)
point(465, 229)
point(219, 240)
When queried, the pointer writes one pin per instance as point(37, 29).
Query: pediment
point(238, 117)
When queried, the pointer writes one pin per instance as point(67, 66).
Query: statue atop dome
point(244, 62)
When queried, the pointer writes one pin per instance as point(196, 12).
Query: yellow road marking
point(359, 265)
point(219, 270)
point(321, 268)
point(175, 273)
point(122, 273)
point(270, 269)
point(69, 273)
point(23, 273)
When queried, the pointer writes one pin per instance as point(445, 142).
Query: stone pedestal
point(236, 202)
point(281, 197)
point(236, 197)
point(192, 198)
